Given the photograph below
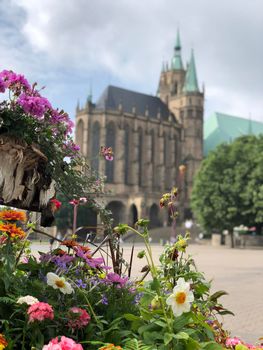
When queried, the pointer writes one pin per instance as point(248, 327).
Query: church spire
point(191, 83)
point(89, 99)
point(177, 62)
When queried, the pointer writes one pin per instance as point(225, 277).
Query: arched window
point(110, 142)
point(153, 161)
point(140, 156)
point(126, 154)
point(95, 146)
point(167, 160)
point(79, 134)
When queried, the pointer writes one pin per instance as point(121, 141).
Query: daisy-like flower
point(12, 215)
point(58, 282)
point(3, 342)
point(181, 298)
point(12, 231)
point(28, 299)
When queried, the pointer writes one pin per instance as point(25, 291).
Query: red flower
point(56, 202)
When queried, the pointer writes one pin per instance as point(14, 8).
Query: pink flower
point(116, 279)
point(40, 311)
point(233, 341)
point(106, 152)
point(74, 202)
point(78, 318)
point(34, 105)
point(15, 82)
point(64, 344)
point(2, 85)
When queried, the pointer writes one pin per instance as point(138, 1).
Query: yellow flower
point(3, 342)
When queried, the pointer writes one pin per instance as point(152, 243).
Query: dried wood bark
point(23, 181)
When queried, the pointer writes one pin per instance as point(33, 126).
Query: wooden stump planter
point(23, 180)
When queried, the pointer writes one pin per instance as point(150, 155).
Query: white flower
point(181, 298)
point(58, 282)
point(28, 299)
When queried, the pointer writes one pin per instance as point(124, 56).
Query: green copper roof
point(191, 83)
point(177, 62)
point(220, 128)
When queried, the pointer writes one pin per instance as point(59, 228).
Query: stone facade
point(150, 136)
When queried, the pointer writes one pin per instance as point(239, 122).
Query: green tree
point(228, 189)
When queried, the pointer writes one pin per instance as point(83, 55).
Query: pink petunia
point(64, 344)
point(40, 311)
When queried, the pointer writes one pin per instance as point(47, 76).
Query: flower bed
point(69, 299)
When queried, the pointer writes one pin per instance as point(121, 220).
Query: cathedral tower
point(178, 88)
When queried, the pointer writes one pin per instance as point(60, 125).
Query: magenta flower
point(106, 152)
point(35, 105)
point(2, 85)
point(15, 82)
point(114, 278)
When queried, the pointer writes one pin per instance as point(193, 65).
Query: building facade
point(150, 136)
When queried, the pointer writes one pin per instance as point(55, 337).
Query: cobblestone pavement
point(237, 271)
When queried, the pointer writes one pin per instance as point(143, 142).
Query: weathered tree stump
point(24, 182)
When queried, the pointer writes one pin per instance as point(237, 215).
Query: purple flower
point(35, 105)
point(2, 85)
point(80, 283)
point(137, 298)
point(92, 262)
point(116, 279)
point(62, 261)
point(104, 300)
point(15, 82)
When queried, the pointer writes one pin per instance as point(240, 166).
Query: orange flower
point(70, 243)
point(3, 342)
point(12, 215)
point(12, 230)
point(110, 347)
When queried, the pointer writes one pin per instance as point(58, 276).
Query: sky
point(70, 45)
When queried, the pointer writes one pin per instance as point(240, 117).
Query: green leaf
point(181, 335)
point(168, 337)
point(211, 346)
point(217, 295)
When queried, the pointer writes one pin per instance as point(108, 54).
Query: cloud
point(124, 42)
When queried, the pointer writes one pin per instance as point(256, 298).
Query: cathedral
point(151, 137)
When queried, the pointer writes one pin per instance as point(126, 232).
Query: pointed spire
point(77, 107)
point(191, 83)
point(177, 62)
point(163, 67)
point(89, 99)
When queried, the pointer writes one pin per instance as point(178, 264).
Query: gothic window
point(166, 154)
point(110, 142)
point(153, 161)
point(175, 88)
point(140, 156)
point(190, 113)
point(95, 146)
point(181, 116)
point(79, 134)
point(126, 154)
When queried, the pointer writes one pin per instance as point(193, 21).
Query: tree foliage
point(228, 189)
